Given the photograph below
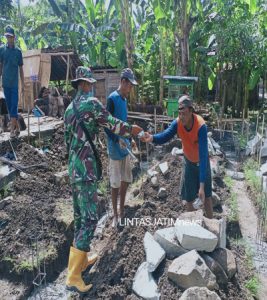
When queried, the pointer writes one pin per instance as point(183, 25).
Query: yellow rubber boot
point(89, 260)
point(74, 277)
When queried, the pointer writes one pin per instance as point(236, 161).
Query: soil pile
point(31, 211)
point(125, 251)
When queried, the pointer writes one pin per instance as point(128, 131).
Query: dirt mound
point(125, 251)
point(33, 204)
point(38, 206)
point(32, 213)
point(57, 151)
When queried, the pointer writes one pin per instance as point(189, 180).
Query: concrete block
point(190, 270)
point(199, 293)
point(154, 252)
point(193, 236)
point(164, 167)
point(144, 285)
point(168, 241)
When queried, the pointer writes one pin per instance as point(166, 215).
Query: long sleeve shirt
point(82, 163)
point(171, 131)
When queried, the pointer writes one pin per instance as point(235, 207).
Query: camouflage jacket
point(82, 164)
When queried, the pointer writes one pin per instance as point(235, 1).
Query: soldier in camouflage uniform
point(82, 171)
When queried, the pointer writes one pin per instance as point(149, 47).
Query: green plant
point(51, 251)
point(103, 186)
point(242, 141)
point(232, 201)
point(233, 207)
point(25, 265)
point(228, 182)
point(4, 192)
point(254, 181)
point(253, 285)
point(8, 259)
point(250, 168)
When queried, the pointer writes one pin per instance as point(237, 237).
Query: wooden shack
point(108, 80)
point(42, 66)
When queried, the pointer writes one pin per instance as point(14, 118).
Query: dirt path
point(248, 223)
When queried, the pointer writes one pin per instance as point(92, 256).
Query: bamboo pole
point(67, 76)
point(257, 123)
point(61, 53)
point(247, 130)
point(223, 105)
point(243, 118)
point(155, 119)
point(29, 98)
point(39, 132)
point(262, 131)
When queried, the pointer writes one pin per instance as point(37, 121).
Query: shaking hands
point(144, 136)
point(147, 137)
point(136, 130)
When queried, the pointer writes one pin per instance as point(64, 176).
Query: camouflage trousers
point(85, 213)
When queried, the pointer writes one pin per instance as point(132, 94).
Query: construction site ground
point(36, 222)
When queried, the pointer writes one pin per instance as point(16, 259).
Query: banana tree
point(6, 8)
point(187, 13)
point(239, 51)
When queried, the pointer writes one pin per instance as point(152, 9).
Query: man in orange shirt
point(192, 130)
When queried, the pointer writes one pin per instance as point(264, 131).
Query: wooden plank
point(141, 114)
point(61, 53)
point(45, 70)
point(30, 53)
point(216, 129)
point(233, 120)
point(67, 75)
point(139, 118)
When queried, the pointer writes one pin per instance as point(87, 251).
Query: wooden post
point(243, 118)
point(67, 76)
point(39, 132)
point(223, 106)
point(29, 99)
point(155, 118)
point(22, 95)
point(224, 126)
point(262, 130)
point(247, 130)
point(257, 124)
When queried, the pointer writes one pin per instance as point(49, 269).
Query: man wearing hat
point(192, 130)
point(82, 120)
point(10, 62)
point(120, 169)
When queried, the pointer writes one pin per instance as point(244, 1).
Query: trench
point(248, 225)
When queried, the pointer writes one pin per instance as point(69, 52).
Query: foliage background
point(223, 42)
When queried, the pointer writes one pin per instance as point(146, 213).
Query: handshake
point(139, 132)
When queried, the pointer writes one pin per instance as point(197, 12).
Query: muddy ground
point(30, 216)
point(38, 214)
point(34, 209)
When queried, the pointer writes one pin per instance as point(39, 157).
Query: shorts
point(120, 170)
point(190, 181)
